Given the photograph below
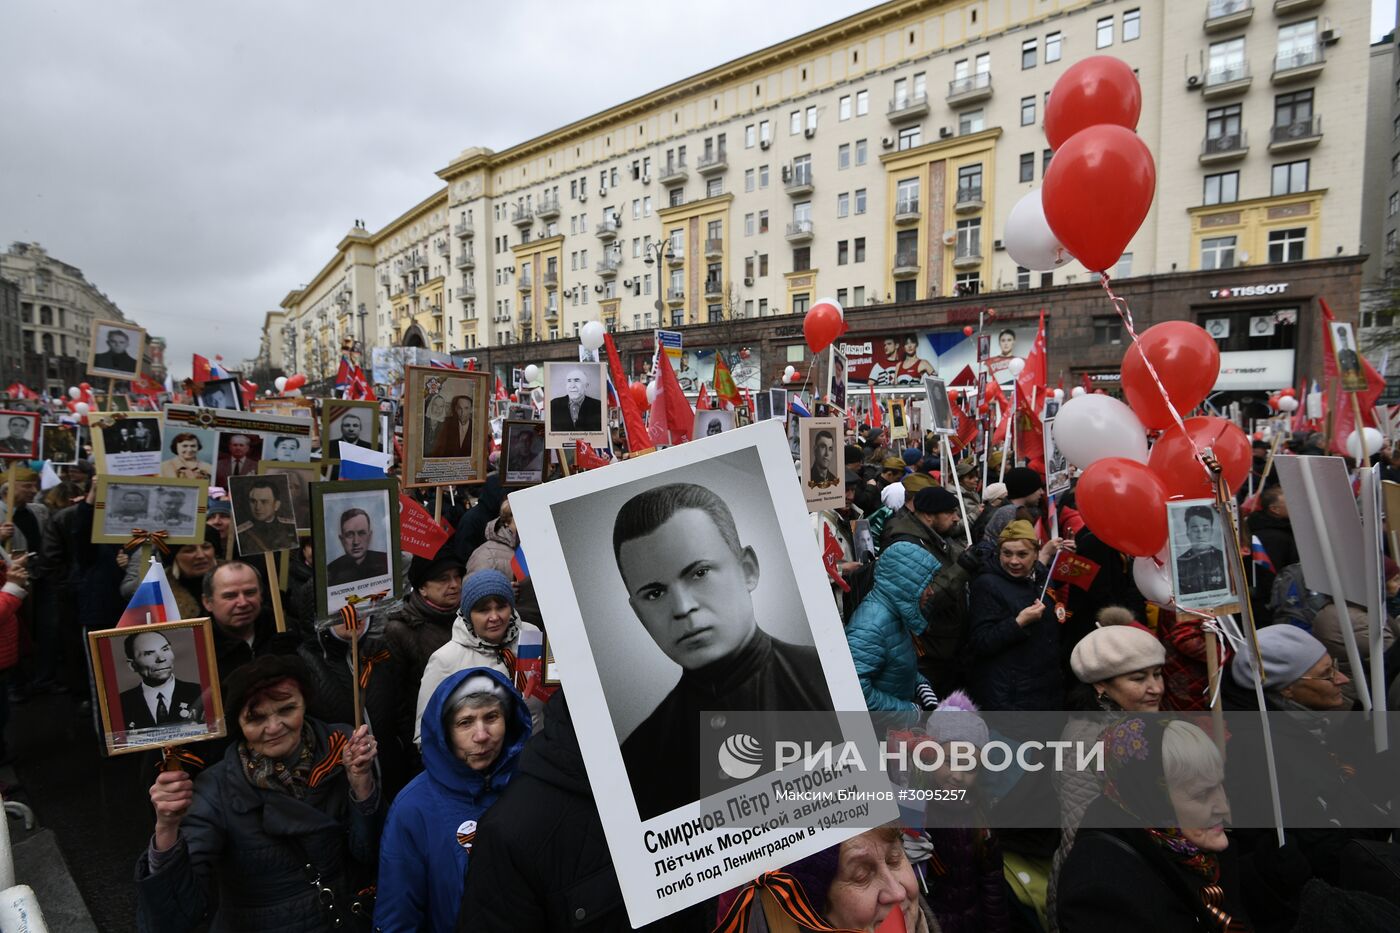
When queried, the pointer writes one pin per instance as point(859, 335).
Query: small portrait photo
point(156, 684)
point(1348, 362)
point(126, 443)
point(263, 518)
point(517, 378)
point(1200, 577)
point(355, 423)
point(446, 428)
point(189, 454)
point(239, 454)
point(20, 438)
point(574, 403)
point(836, 378)
point(522, 411)
point(1058, 473)
point(897, 423)
point(712, 421)
point(59, 443)
point(300, 476)
point(939, 408)
point(119, 402)
point(287, 448)
point(115, 350)
point(523, 453)
point(126, 503)
point(355, 534)
point(819, 460)
point(221, 393)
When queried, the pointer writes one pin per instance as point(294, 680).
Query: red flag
point(1086, 382)
point(419, 535)
point(964, 378)
point(702, 402)
point(637, 438)
point(726, 390)
point(680, 417)
point(831, 557)
point(966, 426)
point(16, 390)
point(1345, 420)
point(586, 458)
point(1075, 570)
point(877, 418)
point(145, 385)
point(250, 391)
point(501, 390)
point(471, 365)
point(201, 372)
point(1030, 384)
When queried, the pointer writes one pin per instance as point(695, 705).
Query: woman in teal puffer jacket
point(880, 633)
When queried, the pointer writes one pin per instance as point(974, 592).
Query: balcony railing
point(969, 198)
point(466, 292)
point(466, 261)
point(463, 228)
point(384, 277)
point(907, 108)
point(1222, 75)
point(906, 263)
point(1299, 133)
point(1298, 62)
point(967, 255)
point(713, 288)
point(607, 230)
point(550, 280)
point(522, 216)
point(713, 161)
point(1225, 14)
point(675, 294)
point(524, 283)
point(675, 256)
point(442, 248)
point(548, 208)
point(906, 210)
point(1225, 146)
point(674, 172)
point(608, 267)
point(972, 88)
point(798, 180)
point(799, 230)
point(714, 247)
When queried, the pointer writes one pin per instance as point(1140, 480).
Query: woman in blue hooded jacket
point(880, 633)
point(473, 729)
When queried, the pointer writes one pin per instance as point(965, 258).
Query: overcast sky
point(199, 161)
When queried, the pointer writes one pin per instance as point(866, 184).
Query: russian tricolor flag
point(152, 598)
point(798, 408)
point(1260, 556)
point(518, 565)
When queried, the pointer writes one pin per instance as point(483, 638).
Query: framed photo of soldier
point(221, 393)
point(896, 419)
point(940, 409)
point(59, 443)
point(355, 534)
point(20, 437)
point(771, 404)
point(1058, 473)
point(263, 519)
point(1199, 558)
point(123, 504)
point(300, 476)
point(523, 453)
point(126, 443)
point(115, 350)
point(721, 527)
point(820, 465)
point(355, 423)
point(156, 685)
point(573, 407)
point(712, 421)
point(836, 378)
point(445, 426)
point(1344, 350)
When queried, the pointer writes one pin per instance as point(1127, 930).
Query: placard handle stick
point(12, 477)
point(945, 451)
point(1360, 432)
point(437, 504)
point(1217, 711)
point(275, 590)
point(284, 565)
point(354, 623)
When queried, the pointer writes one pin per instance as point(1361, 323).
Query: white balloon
point(75, 393)
point(1060, 395)
point(1153, 582)
point(591, 335)
point(1028, 238)
point(1076, 392)
point(1287, 403)
point(532, 374)
point(789, 372)
point(1015, 365)
point(280, 382)
point(652, 390)
point(1092, 427)
point(1374, 440)
point(82, 408)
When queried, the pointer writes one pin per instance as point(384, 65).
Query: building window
point(748, 225)
point(1028, 53)
point(843, 156)
point(1394, 206)
point(858, 249)
point(969, 238)
point(1226, 62)
point(1023, 277)
point(801, 258)
point(748, 179)
point(1052, 47)
point(1103, 33)
point(860, 200)
point(1108, 329)
point(843, 252)
point(843, 297)
point(762, 221)
point(1222, 189)
point(1028, 111)
point(1218, 252)
point(843, 109)
point(1045, 161)
point(1223, 128)
point(714, 187)
point(762, 265)
point(910, 137)
point(843, 204)
point(967, 283)
point(970, 183)
point(763, 176)
point(906, 195)
point(862, 103)
point(1290, 178)
point(1297, 45)
point(750, 136)
point(971, 121)
point(794, 122)
point(811, 118)
point(765, 131)
point(1293, 116)
point(1287, 245)
point(676, 197)
point(1390, 241)
point(862, 150)
point(1028, 166)
point(1132, 25)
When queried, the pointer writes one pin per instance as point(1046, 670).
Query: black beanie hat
point(1022, 481)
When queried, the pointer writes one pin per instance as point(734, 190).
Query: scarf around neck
point(291, 775)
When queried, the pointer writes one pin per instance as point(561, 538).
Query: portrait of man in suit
point(454, 435)
point(579, 409)
point(352, 430)
point(19, 439)
point(160, 699)
point(131, 505)
point(238, 458)
point(358, 562)
point(116, 357)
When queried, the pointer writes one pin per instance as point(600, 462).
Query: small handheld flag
point(1259, 555)
point(153, 598)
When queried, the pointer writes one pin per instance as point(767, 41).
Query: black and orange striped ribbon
point(508, 659)
point(787, 893)
point(338, 743)
point(176, 758)
point(140, 536)
point(370, 661)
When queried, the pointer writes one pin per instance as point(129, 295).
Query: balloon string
point(1126, 314)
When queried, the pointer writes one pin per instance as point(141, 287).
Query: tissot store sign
point(1255, 369)
point(1250, 291)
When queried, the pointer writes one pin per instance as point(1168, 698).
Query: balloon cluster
point(80, 400)
point(1123, 492)
point(1284, 400)
point(1099, 186)
point(288, 385)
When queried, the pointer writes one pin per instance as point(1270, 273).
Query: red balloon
point(745, 353)
point(86, 387)
point(822, 325)
point(295, 381)
point(1174, 460)
point(1097, 192)
point(1187, 361)
point(1099, 89)
point(967, 331)
point(1124, 504)
point(639, 395)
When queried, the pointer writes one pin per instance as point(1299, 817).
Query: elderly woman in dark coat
point(271, 837)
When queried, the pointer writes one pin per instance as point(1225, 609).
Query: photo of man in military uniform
point(1200, 556)
point(262, 507)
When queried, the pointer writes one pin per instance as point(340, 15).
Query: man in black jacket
point(242, 629)
point(540, 860)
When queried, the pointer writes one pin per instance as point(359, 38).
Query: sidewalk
point(40, 864)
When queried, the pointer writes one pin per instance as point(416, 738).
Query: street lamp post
point(655, 254)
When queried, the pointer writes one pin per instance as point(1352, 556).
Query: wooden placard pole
point(437, 504)
point(275, 591)
point(1360, 430)
point(355, 671)
point(1217, 710)
point(945, 453)
point(11, 478)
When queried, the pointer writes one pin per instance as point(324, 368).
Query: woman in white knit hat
point(1119, 666)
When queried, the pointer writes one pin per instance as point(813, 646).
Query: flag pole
point(1360, 432)
point(275, 591)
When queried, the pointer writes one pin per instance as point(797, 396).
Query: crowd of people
point(461, 801)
